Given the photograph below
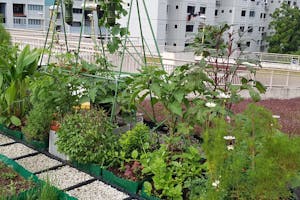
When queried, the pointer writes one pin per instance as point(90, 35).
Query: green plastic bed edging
point(146, 196)
point(90, 168)
point(39, 145)
point(29, 176)
point(129, 186)
point(12, 133)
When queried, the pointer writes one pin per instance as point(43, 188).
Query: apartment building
point(174, 22)
point(28, 14)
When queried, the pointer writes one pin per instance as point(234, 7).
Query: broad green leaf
point(15, 121)
point(92, 94)
point(10, 94)
point(179, 95)
point(260, 87)
point(254, 95)
point(134, 154)
point(175, 107)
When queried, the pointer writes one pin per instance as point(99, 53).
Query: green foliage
point(86, 136)
point(48, 192)
point(111, 11)
point(259, 166)
point(172, 172)
point(15, 71)
point(4, 35)
point(285, 23)
point(217, 48)
point(174, 92)
point(55, 91)
point(38, 123)
point(136, 140)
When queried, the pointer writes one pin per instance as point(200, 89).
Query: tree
point(286, 24)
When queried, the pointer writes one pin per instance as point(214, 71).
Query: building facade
point(174, 23)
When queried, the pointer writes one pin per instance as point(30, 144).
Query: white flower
point(229, 137)
point(276, 116)
point(222, 95)
point(216, 183)
point(210, 104)
point(230, 147)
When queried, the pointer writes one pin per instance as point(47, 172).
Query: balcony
point(19, 22)
point(18, 10)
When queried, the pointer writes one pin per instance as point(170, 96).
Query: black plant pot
point(69, 13)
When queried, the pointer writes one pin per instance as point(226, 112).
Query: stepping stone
point(16, 150)
point(5, 140)
point(38, 163)
point(97, 190)
point(64, 177)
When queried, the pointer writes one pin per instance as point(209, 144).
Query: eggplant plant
point(15, 71)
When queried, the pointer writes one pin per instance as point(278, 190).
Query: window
point(19, 21)
point(191, 9)
point(34, 21)
point(230, 11)
point(166, 27)
point(248, 44)
point(189, 28)
point(18, 10)
point(202, 10)
point(250, 29)
point(177, 7)
point(175, 26)
point(252, 0)
point(243, 13)
point(264, 15)
point(77, 10)
point(35, 7)
point(174, 44)
point(222, 11)
point(252, 13)
point(242, 28)
point(216, 12)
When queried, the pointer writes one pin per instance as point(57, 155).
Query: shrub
point(38, 123)
point(86, 136)
point(136, 139)
point(257, 164)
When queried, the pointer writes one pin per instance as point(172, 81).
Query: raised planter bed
point(146, 196)
point(14, 134)
point(129, 186)
point(32, 184)
point(92, 169)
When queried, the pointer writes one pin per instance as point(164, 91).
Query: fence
point(271, 77)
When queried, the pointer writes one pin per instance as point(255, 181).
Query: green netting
point(129, 186)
